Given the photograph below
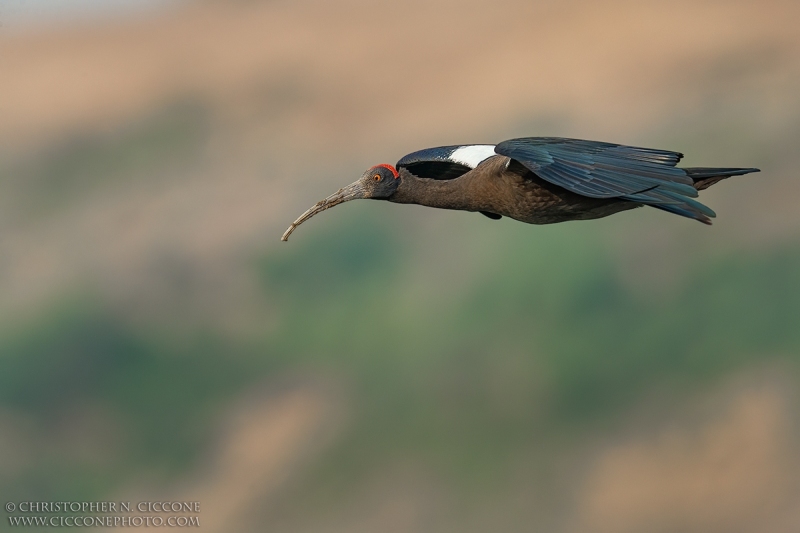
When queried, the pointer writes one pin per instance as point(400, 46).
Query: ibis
point(537, 180)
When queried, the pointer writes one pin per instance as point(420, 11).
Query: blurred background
point(395, 368)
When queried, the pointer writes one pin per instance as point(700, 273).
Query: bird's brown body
point(503, 187)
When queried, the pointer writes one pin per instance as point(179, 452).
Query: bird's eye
point(377, 177)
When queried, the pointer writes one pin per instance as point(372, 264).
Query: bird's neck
point(444, 194)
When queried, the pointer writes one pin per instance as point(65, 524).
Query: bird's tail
point(706, 177)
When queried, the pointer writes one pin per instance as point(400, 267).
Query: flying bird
point(538, 180)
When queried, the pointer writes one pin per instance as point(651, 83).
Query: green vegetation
point(542, 339)
point(65, 172)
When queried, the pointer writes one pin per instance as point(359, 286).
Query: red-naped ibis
point(538, 180)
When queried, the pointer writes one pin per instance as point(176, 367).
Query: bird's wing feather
point(605, 170)
point(446, 162)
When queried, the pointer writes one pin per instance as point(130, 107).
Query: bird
point(537, 180)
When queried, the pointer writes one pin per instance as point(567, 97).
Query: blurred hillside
point(394, 367)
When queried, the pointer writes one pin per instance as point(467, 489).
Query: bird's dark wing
point(605, 170)
point(436, 170)
point(446, 162)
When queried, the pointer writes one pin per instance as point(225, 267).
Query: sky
point(23, 13)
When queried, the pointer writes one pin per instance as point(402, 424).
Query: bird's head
point(378, 182)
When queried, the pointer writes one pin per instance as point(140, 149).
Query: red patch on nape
point(391, 169)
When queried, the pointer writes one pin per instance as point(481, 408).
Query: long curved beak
point(354, 191)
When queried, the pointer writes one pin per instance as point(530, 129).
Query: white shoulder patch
point(473, 154)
